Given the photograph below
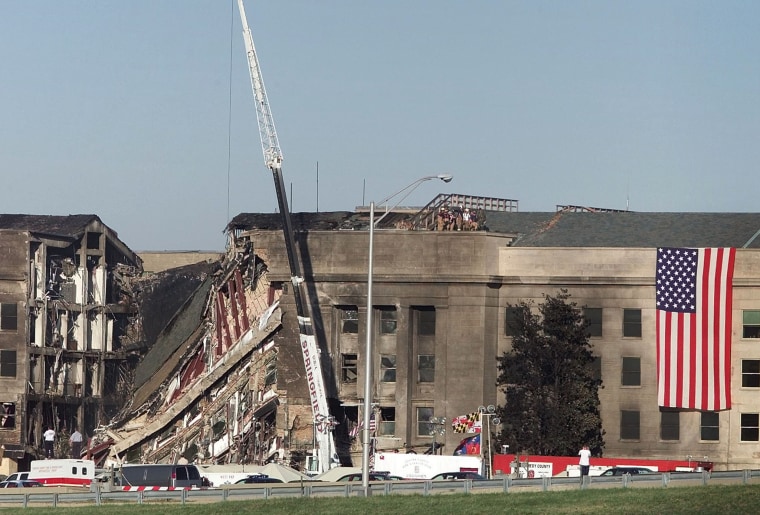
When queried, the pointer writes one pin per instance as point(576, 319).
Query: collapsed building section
point(222, 378)
point(67, 316)
point(205, 391)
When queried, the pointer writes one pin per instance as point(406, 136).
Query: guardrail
point(61, 497)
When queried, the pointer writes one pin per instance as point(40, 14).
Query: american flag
point(358, 427)
point(694, 327)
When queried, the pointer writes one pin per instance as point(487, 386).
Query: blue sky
point(141, 112)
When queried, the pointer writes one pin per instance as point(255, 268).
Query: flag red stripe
point(679, 357)
point(704, 309)
point(668, 354)
point(727, 302)
point(692, 397)
point(716, 337)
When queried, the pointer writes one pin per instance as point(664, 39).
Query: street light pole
point(487, 417)
point(437, 427)
point(368, 356)
point(368, 376)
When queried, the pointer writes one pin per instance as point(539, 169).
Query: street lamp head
point(445, 177)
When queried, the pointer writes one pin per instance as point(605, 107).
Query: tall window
point(709, 426)
point(348, 368)
point(750, 427)
point(632, 323)
point(511, 318)
point(388, 368)
point(423, 421)
point(7, 363)
point(631, 371)
point(629, 425)
point(596, 368)
point(751, 324)
point(388, 321)
point(349, 320)
point(670, 425)
point(387, 425)
point(594, 318)
point(8, 416)
point(271, 370)
point(425, 321)
point(8, 317)
point(751, 373)
point(426, 368)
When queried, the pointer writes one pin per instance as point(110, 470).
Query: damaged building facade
point(441, 305)
point(66, 317)
point(209, 388)
point(155, 367)
point(208, 357)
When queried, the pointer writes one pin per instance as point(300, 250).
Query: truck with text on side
point(424, 466)
point(529, 466)
point(63, 472)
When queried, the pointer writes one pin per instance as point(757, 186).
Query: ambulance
point(64, 472)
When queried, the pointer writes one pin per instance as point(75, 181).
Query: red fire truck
point(528, 466)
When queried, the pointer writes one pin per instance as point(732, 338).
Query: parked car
point(19, 483)
point(105, 477)
point(448, 476)
point(257, 478)
point(619, 471)
point(373, 476)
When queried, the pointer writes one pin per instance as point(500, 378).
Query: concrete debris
point(205, 389)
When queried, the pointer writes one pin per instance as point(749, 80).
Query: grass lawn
point(724, 499)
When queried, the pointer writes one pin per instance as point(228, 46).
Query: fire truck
point(529, 466)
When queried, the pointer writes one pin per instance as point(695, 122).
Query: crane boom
point(270, 146)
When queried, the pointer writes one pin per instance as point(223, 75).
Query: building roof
point(629, 229)
point(69, 226)
point(326, 221)
point(565, 229)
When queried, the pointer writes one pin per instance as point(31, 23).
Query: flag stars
point(676, 279)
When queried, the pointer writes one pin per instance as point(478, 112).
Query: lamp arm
point(407, 190)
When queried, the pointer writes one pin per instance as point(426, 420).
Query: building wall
point(14, 273)
point(158, 261)
point(616, 279)
point(470, 278)
point(67, 300)
point(451, 272)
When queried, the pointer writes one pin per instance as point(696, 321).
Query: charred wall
point(162, 295)
point(172, 308)
point(14, 273)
